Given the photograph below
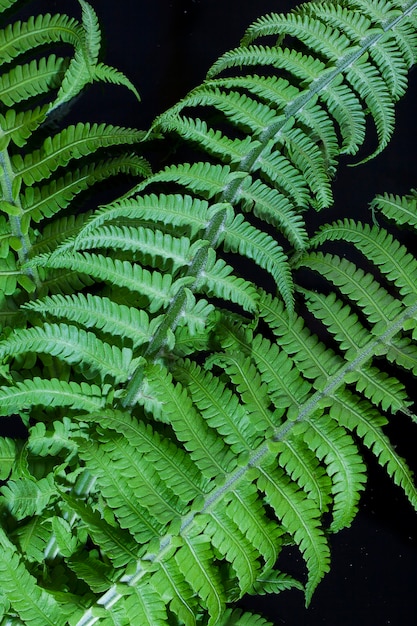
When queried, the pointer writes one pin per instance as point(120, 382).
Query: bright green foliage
point(185, 424)
point(39, 182)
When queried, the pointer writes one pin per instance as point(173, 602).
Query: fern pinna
point(184, 422)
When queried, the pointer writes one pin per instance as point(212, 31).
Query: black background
point(165, 48)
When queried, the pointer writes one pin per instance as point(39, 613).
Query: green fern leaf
point(218, 405)
point(159, 288)
point(31, 79)
point(305, 67)
point(99, 312)
point(172, 463)
point(275, 582)
point(45, 201)
point(92, 35)
point(203, 178)
point(7, 456)
point(376, 303)
point(358, 415)
point(333, 446)
point(161, 503)
point(32, 537)
point(26, 497)
point(248, 241)
point(401, 209)
point(217, 278)
point(197, 131)
point(303, 467)
point(175, 209)
point(66, 541)
point(346, 108)
point(209, 453)
point(33, 604)
point(378, 246)
point(54, 441)
point(107, 74)
point(300, 518)
point(119, 493)
point(145, 606)
point(154, 246)
point(171, 584)
point(312, 32)
point(252, 390)
point(237, 618)
point(19, 126)
point(248, 513)
point(73, 142)
point(5, 4)
point(20, 37)
point(117, 544)
point(195, 558)
point(98, 575)
point(53, 392)
point(74, 346)
point(231, 544)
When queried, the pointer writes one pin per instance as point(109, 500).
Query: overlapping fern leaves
point(40, 176)
point(185, 424)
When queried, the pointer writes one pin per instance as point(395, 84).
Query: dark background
point(165, 48)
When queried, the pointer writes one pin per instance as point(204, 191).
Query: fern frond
point(146, 606)
point(31, 79)
point(19, 126)
point(171, 462)
point(73, 142)
point(207, 439)
point(153, 245)
point(108, 74)
point(300, 518)
point(159, 288)
point(194, 559)
point(237, 618)
point(32, 537)
point(248, 512)
point(302, 66)
point(392, 259)
point(33, 604)
point(99, 312)
point(218, 405)
point(333, 446)
point(217, 279)
point(98, 575)
point(73, 345)
point(272, 207)
point(20, 37)
point(52, 442)
point(92, 35)
point(358, 415)
point(401, 209)
point(188, 425)
point(45, 201)
point(174, 209)
point(34, 392)
point(117, 544)
point(26, 497)
point(119, 493)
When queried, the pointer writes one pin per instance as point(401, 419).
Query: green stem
point(10, 189)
